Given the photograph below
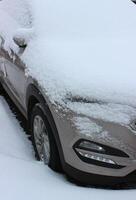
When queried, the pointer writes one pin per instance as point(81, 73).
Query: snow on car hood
point(101, 69)
point(86, 49)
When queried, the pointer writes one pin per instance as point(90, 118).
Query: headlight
point(91, 146)
point(97, 154)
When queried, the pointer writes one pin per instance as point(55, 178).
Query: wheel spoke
point(41, 139)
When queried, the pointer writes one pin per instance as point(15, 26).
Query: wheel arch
point(34, 96)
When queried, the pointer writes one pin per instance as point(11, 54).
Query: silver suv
point(57, 141)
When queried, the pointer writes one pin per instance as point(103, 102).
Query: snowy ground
point(22, 178)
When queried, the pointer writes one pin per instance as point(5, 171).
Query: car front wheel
point(43, 140)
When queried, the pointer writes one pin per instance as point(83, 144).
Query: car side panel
point(16, 78)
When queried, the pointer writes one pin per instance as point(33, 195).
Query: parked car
point(95, 142)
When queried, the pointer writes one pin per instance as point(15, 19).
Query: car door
point(15, 75)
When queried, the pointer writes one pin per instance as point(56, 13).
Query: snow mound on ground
point(13, 141)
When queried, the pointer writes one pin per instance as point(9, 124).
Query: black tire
point(54, 162)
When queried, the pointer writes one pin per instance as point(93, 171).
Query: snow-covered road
point(23, 178)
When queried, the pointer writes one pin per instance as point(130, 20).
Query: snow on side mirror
point(20, 42)
point(22, 37)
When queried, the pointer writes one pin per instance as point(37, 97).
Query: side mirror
point(23, 36)
point(20, 42)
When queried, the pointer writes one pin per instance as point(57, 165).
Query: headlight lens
point(91, 146)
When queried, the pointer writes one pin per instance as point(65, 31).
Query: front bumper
point(113, 135)
point(84, 178)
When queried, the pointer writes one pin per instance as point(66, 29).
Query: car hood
point(101, 68)
point(86, 50)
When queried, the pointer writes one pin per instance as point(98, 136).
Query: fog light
point(98, 154)
point(91, 146)
point(96, 157)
